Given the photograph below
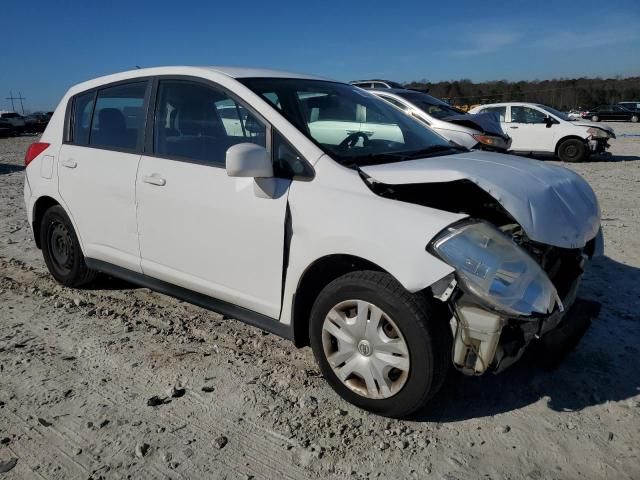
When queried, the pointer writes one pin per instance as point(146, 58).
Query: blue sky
point(50, 45)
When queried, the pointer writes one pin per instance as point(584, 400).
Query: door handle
point(513, 127)
point(69, 163)
point(154, 180)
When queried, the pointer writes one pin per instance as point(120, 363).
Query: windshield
point(353, 126)
point(430, 105)
point(560, 115)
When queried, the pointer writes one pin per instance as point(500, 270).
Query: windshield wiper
point(425, 152)
point(384, 157)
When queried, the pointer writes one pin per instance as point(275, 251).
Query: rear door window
point(500, 112)
point(118, 118)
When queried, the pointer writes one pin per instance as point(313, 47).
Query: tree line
point(563, 94)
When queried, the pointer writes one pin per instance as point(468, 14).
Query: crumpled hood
point(553, 205)
point(586, 123)
point(483, 122)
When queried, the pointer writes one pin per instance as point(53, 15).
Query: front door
point(529, 131)
point(198, 227)
point(97, 171)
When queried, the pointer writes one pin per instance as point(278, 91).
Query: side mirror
point(248, 160)
point(550, 121)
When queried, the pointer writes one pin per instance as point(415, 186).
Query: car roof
point(396, 90)
point(372, 80)
point(504, 104)
point(228, 71)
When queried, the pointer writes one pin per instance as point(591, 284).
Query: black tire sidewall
point(57, 214)
point(582, 156)
point(417, 388)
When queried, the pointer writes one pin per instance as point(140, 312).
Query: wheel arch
point(569, 137)
point(41, 205)
point(317, 276)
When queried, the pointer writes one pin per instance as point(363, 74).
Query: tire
point(426, 336)
point(61, 249)
point(573, 150)
point(634, 118)
point(595, 118)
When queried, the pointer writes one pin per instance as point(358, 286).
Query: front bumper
point(598, 145)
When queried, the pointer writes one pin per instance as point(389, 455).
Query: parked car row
point(515, 127)
point(322, 213)
point(12, 123)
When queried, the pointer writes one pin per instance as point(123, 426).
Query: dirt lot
point(78, 367)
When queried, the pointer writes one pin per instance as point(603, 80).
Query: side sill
point(245, 315)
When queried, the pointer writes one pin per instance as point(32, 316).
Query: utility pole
point(19, 97)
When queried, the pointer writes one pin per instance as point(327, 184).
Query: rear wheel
point(379, 346)
point(573, 150)
point(595, 118)
point(634, 119)
point(61, 249)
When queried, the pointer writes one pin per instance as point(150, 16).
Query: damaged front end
point(490, 136)
point(506, 292)
point(519, 257)
point(598, 140)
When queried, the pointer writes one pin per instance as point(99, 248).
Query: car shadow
point(602, 368)
point(6, 168)
point(107, 282)
point(613, 158)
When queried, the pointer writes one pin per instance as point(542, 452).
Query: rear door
point(528, 130)
point(620, 113)
point(97, 170)
point(199, 228)
point(607, 113)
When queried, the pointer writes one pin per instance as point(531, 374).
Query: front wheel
point(573, 150)
point(379, 346)
point(634, 119)
point(61, 249)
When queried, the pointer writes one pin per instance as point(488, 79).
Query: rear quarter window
point(81, 118)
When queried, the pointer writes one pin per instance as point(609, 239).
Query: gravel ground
point(121, 382)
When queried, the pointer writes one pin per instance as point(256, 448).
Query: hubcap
point(365, 349)
point(571, 151)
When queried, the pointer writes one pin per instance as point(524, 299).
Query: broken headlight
point(597, 132)
point(490, 266)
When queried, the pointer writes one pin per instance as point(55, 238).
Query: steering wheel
point(353, 138)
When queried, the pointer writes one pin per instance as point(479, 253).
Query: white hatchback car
point(316, 211)
point(535, 128)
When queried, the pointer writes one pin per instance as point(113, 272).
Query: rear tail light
point(33, 151)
